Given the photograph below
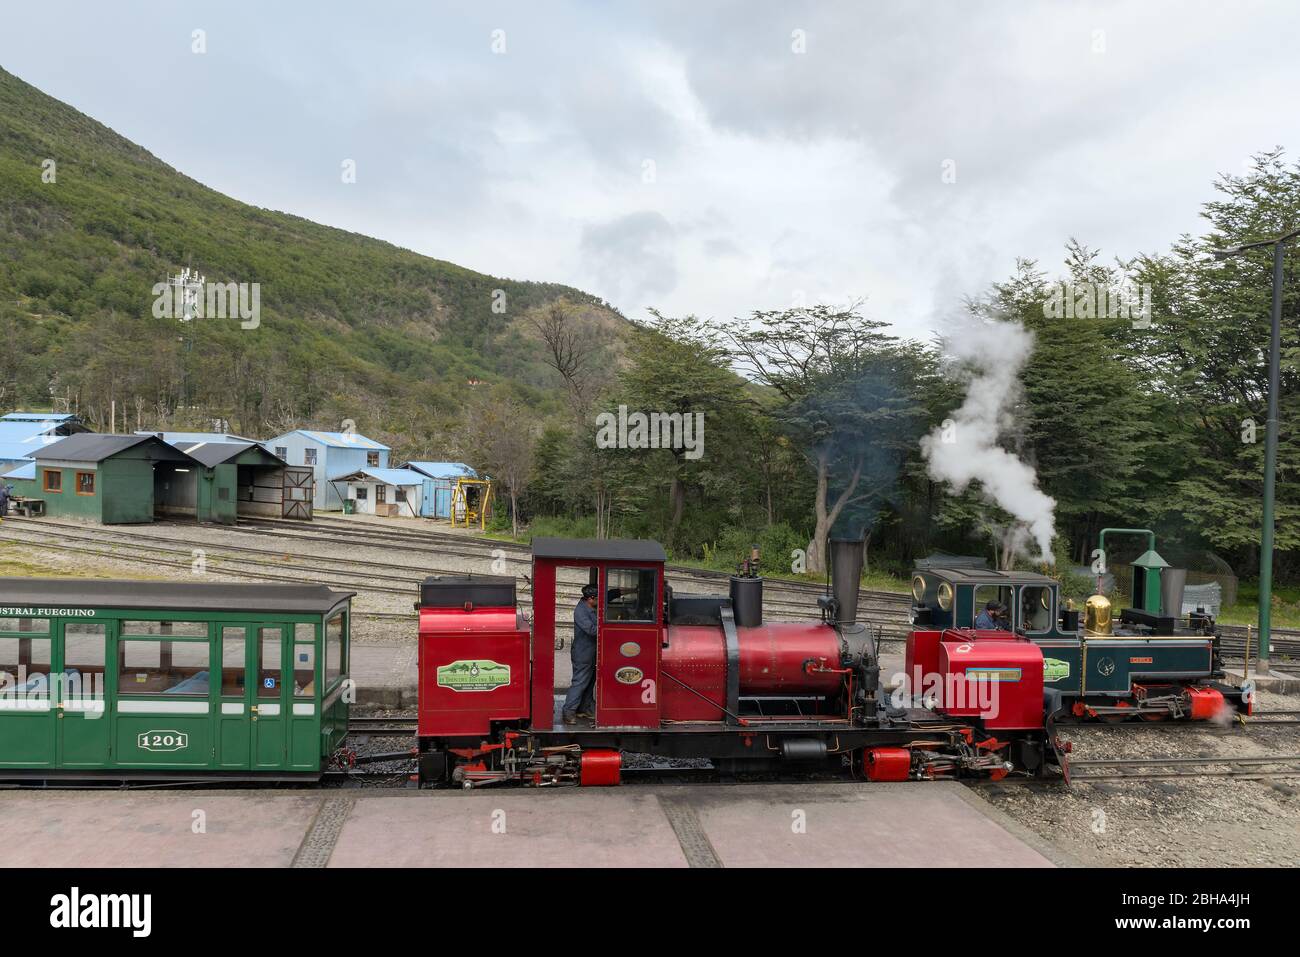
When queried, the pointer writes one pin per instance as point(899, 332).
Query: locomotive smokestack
point(747, 593)
point(846, 576)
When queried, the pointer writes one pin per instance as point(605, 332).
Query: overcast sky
point(706, 157)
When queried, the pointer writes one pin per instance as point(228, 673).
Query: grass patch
point(1286, 606)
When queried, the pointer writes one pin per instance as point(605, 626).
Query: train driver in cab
point(992, 618)
point(580, 702)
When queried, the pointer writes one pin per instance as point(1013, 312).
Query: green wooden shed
point(113, 479)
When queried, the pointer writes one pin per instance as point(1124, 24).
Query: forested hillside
point(350, 327)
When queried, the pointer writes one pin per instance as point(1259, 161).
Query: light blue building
point(332, 456)
point(444, 475)
point(22, 433)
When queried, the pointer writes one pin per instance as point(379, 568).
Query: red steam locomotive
point(704, 676)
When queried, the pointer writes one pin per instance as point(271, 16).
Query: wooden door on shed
point(299, 489)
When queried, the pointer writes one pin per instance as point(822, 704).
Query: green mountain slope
point(351, 327)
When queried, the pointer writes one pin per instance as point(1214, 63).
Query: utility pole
point(1270, 438)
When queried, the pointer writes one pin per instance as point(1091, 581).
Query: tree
point(498, 436)
point(1209, 354)
point(1084, 419)
point(847, 402)
point(678, 367)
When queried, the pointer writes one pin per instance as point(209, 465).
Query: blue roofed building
point(23, 433)
point(396, 493)
point(443, 476)
point(332, 456)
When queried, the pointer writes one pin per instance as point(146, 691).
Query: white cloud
point(775, 174)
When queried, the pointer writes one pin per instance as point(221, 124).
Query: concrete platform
point(926, 824)
point(387, 675)
point(1278, 682)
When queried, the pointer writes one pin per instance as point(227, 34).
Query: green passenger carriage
point(130, 679)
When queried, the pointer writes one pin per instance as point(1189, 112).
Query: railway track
point(310, 568)
point(1249, 767)
point(885, 611)
point(382, 727)
point(354, 529)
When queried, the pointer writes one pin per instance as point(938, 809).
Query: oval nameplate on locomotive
point(629, 649)
point(628, 676)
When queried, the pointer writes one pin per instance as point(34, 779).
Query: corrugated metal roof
point(173, 438)
point(20, 437)
point(391, 476)
point(443, 469)
point(215, 453)
point(25, 471)
point(54, 417)
point(337, 440)
point(94, 447)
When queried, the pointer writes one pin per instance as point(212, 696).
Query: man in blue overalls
point(4, 500)
point(580, 702)
point(992, 618)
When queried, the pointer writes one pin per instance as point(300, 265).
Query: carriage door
point(83, 722)
point(254, 701)
point(271, 705)
point(234, 738)
point(627, 657)
point(27, 732)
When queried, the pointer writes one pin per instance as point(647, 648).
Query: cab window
point(1035, 609)
point(630, 594)
point(1002, 594)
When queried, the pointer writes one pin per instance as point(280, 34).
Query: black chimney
point(846, 576)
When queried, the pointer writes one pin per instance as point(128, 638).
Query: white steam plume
point(965, 448)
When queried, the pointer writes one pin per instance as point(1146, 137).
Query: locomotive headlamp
point(918, 588)
point(945, 596)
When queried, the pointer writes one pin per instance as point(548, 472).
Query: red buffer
point(601, 768)
point(887, 764)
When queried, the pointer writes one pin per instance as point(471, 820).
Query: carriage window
point(151, 666)
point(1035, 608)
point(166, 629)
point(333, 650)
point(233, 662)
point(268, 662)
point(24, 667)
point(304, 668)
point(31, 626)
point(630, 595)
point(84, 654)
